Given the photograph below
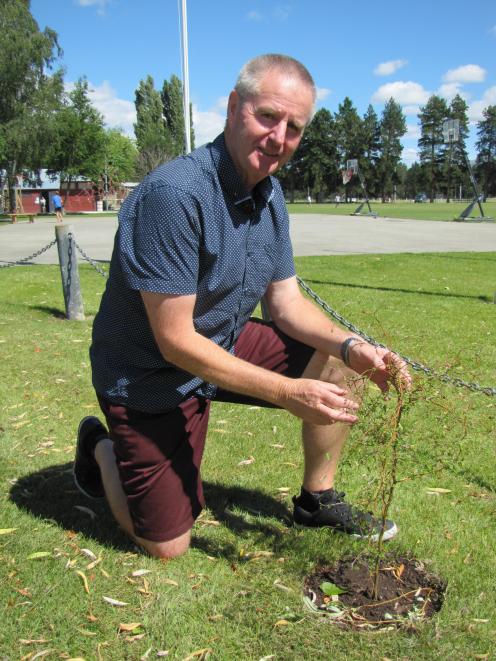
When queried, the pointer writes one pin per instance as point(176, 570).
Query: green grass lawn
point(435, 308)
point(426, 211)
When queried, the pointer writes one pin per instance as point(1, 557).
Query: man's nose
point(278, 133)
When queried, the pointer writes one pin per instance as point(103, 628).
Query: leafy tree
point(371, 142)
point(392, 128)
point(414, 182)
point(316, 158)
point(152, 136)
point(30, 90)
point(486, 148)
point(172, 100)
point(79, 144)
point(432, 148)
point(120, 157)
point(455, 167)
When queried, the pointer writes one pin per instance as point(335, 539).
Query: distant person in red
point(58, 206)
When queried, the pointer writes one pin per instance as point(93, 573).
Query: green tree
point(316, 157)
point(392, 129)
point(371, 142)
point(153, 138)
point(79, 144)
point(30, 90)
point(120, 157)
point(414, 181)
point(172, 100)
point(432, 149)
point(455, 168)
point(486, 150)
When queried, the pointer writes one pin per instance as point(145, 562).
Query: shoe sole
point(388, 534)
point(81, 489)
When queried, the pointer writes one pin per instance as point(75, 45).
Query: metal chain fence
point(419, 367)
point(30, 257)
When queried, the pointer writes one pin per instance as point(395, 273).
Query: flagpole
point(187, 123)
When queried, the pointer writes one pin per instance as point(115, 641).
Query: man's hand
point(381, 366)
point(318, 402)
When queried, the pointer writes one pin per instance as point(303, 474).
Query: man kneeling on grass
point(200, 242)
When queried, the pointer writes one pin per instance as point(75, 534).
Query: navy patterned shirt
point(190, 227)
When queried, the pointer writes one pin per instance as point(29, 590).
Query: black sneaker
point(329, 509)
point(86, 470)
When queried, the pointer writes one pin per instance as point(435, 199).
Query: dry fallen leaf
point(89, 554)
point(246, 462)
point(129, 627)
point(141, 572)
point(115, 602)
point(281, 623)
point(437, 490)
point(84, 579)
point(7, 531)
point(169, 581)
point(200, 655)
point(38, 555)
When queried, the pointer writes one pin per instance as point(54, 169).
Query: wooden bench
point(14, 216)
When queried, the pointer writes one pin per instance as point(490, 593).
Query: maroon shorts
point(159, 454)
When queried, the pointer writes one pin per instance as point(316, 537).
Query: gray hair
point(254, 70)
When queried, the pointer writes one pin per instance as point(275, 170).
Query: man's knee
point(166, 550)
point(332, 370)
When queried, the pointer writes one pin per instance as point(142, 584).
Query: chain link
point(88, 259)
point(419, 367)
point(28, 259)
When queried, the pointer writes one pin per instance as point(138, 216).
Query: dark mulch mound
point(407, 593)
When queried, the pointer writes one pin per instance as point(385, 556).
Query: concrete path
point(312, 234)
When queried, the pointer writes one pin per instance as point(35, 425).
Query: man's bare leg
point(105, 457)
point(322, 444)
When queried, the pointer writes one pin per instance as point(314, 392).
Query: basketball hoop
point(347, 175)
point(451, 130)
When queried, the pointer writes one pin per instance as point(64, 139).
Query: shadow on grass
point(484, 299)
point(49, 494)
point(53, 312)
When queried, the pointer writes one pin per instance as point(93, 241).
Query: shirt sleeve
point(159, 240)
point(284, 265)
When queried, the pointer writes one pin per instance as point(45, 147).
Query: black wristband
point(345, 349)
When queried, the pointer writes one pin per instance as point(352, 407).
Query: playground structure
point(451, 135)
point(347, 174)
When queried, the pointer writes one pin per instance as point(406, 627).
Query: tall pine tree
point(349, 139)
point(393, 128)
point(371, 141)
point(455, 169)
point(486, 150)
point(432, 149)
point(172, 100)
point(152, 135)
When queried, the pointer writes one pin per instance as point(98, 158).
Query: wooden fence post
point(74, 309)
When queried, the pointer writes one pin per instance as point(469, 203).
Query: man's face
point(263, 130)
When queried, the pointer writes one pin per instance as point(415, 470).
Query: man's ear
point(232, 104)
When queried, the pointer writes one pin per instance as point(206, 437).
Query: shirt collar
point(231, 181)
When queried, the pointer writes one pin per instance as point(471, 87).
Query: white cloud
point(254, 16)
point(450, 90)
point(387, 68)
point(411, 110)
point(493, 31)
point(117, 113)
point(475, 109)
point(209, 123)
point(322, 93)
point(99, 4)
point(412, 132)
point(405, 93)
point(409, 155)
point(469, 73)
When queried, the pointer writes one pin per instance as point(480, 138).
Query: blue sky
point(367, 50)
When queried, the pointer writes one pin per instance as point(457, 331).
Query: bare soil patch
point(407, 593)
